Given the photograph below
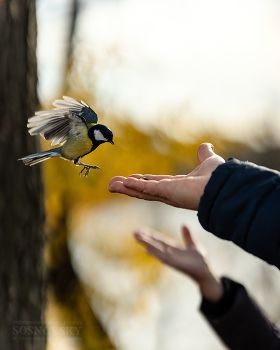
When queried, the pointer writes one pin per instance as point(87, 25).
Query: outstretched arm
point(182, 191)
point(226, 305)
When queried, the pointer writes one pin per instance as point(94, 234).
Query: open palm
point(183, 191)
point(188, 260)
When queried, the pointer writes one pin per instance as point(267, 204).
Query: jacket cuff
point(212, 190)
point(216, 309)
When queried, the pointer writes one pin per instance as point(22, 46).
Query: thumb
point(187, 238)
point(204, 151)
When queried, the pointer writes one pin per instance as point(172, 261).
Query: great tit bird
point(73, 125)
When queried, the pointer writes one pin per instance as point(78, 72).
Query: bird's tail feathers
point(36, 158)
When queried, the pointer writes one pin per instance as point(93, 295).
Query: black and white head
point(100, 133)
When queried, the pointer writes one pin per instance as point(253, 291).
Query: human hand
point(190, 260)
point(183, 191)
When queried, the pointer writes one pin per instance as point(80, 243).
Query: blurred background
point(164, 76)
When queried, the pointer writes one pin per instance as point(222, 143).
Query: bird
point(72, 124)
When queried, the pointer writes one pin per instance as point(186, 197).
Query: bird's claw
point(88, 167)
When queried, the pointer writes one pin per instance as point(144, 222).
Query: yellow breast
point(77, 144)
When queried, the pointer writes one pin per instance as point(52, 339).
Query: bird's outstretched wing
point(55, 125)
point(79, 108)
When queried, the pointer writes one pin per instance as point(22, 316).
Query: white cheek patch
point(99, 136)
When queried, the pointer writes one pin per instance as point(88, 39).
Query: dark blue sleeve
point(241, 203)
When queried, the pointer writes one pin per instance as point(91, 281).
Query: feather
point(55, 125)
point(80, 108)
point(36, 158)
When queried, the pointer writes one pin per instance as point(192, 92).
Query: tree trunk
point(21, 199)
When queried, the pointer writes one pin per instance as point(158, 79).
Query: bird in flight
point(72, 124)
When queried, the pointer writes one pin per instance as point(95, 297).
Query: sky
point(213, 62)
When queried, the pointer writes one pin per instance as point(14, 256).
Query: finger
point(157, 253)
point(204, 151)
point(157, 177)
point(136, 176)
point(144, 235)
point(187, 238)
point(153, 247)
point(118, 187)
point(139, 185)
point(153, 237)
point(152, 177)
point(117, 178)
point(149, 241)
point(151, 187)
point(164, 249)
point(162, 177)
point(167, 255)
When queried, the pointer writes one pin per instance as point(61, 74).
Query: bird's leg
point(85, 166)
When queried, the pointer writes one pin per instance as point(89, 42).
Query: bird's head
point(100, 133)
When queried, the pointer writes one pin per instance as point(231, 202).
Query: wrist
point(211, 288)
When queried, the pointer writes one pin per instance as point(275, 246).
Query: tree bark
point(21, 199)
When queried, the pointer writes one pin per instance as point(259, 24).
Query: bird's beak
point(112, 142)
